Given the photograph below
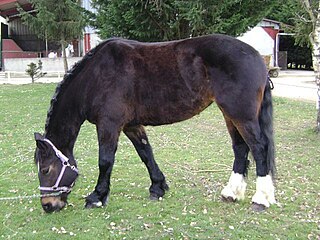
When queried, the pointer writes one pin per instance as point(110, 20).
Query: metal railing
point(48, 74)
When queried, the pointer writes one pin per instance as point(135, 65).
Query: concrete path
point(290, 83)
point(296, 84)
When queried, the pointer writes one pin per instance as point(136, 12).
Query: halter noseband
point(65, 163)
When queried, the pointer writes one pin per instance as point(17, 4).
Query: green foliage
point(285, 12)
point(35, 71)
point(156, 20)
point(55, 20)
point(196, 157)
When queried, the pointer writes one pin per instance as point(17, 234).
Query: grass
point(196, 158)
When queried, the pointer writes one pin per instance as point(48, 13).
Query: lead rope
point(270, 83)
point(32, 196)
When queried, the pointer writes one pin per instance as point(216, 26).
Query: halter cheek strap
point(65, 164)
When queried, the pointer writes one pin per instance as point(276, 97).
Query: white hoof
point(264, 191)
point(235, 188)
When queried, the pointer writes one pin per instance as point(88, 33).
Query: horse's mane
point(67, 79)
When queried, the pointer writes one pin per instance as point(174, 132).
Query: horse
point(123, 85)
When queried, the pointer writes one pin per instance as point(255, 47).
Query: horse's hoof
point(258, 207)
point(228, 199)
point(93, 204)
point(154, 197)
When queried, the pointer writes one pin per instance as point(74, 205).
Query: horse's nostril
point(48, 207)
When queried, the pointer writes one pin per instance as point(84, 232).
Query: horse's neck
point(63, 138)
point(63, 127)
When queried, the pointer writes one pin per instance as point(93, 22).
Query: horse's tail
point(266, 126)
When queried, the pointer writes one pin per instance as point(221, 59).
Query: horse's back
point(168, 82)
point(158, 82)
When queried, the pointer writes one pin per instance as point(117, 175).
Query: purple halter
point(65, 164)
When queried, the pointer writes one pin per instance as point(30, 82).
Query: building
point(265, 39)
point(10, 35)
point(90, 36)
point(17, 41)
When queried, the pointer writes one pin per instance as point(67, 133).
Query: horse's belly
point(167, 112)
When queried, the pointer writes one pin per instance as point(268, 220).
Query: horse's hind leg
point(139, 138)
point(236, 187)
point(258, 143)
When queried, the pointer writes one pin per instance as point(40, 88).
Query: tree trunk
point(65, 62)
point(315, 42)
point(316, 60)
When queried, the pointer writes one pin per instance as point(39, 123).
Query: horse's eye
point(45, 171)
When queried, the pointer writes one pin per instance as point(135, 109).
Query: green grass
point(191, 209)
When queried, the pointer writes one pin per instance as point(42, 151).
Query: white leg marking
point(264, 191)
point(97, 204)
point(235, 188)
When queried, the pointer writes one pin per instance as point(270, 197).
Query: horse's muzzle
point(52, 204)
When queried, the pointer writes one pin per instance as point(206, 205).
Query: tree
point(304, 19)
point(312, 21)
point(35, 71)
point(157, 20)
point(56, 20)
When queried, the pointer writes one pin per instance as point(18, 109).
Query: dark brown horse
point(123, 85)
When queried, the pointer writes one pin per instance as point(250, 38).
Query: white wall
point(3, 20)
point(260, 40)
point(94, 38)
point(49, 64)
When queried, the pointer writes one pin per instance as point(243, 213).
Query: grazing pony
point(124, 85)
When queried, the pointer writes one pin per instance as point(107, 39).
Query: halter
point(65, 164)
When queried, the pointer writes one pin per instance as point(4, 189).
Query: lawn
point(196, 158)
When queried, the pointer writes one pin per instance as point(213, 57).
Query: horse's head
point(56, 174)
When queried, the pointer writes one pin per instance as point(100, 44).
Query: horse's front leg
point(108, 141)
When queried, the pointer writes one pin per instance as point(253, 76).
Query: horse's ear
point(41, 144)
point(38, 136)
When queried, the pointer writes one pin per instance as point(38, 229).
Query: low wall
point(48, 64)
